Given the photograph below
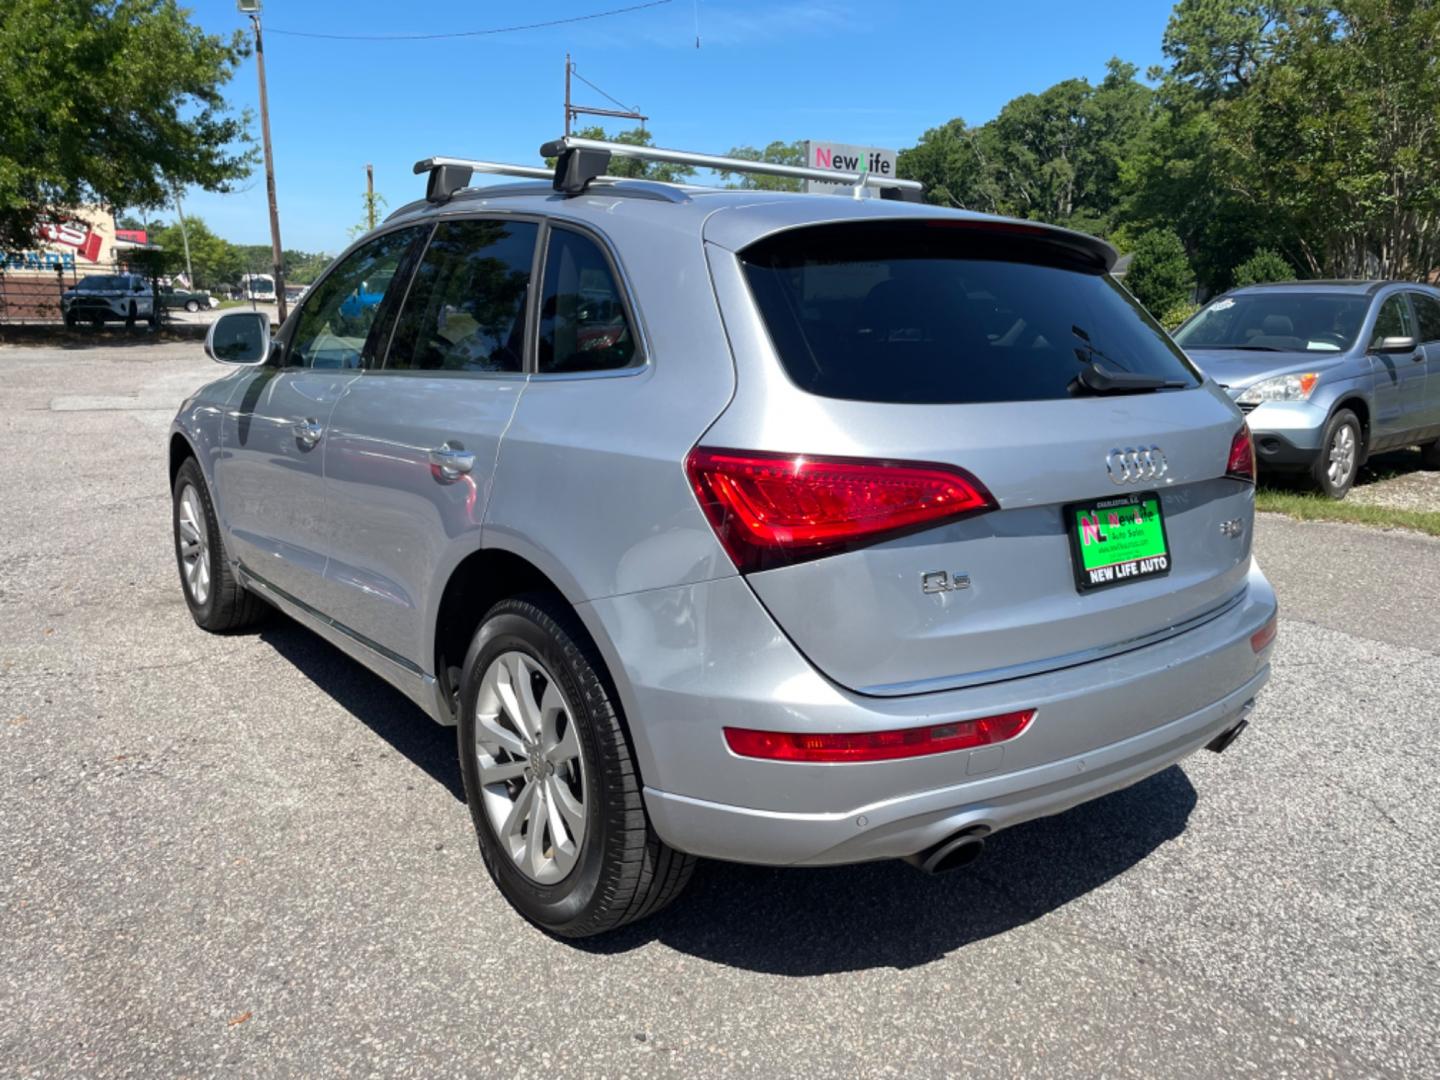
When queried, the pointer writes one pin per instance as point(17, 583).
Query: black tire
point(97, 319)
point(1330, 449)
point(1430, 456)
point(70, 320)
point(226, 605)
point(623, 871)
point(192, 306)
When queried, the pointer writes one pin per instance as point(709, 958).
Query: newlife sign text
point(841, 157)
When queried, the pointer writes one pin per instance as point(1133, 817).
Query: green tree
point(1054, 156)
point(214, 260)
point(372, 212)
point(1160, 275)
point(301, 267)
point(1311, 129)
point(111, 101)
point(1264, 265)
point(777, 153)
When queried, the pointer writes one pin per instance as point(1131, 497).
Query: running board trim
point(399, 672)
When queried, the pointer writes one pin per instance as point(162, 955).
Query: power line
point(602, 93)
point(475, 33)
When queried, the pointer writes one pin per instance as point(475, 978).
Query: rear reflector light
point(1241, 464)
point(877, 745)
point(1265, 635)
point(774, 509)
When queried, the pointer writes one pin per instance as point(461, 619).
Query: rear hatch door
point(909, 343)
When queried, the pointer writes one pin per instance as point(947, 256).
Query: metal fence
point(32, 297)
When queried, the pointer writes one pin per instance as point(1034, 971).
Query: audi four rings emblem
point(1133, 464)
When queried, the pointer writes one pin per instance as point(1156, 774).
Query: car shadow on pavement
point(826, 920)
point(887, 914)
point(373, 701)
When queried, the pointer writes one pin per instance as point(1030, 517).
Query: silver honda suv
point(767, 527)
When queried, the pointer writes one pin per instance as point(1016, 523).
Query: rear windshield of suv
point(932, 313)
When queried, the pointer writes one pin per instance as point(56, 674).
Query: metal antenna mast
point(573, 110)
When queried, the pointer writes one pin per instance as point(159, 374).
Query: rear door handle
point(307, 431)
point(452, 459)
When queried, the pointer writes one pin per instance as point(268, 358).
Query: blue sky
point(876, 73)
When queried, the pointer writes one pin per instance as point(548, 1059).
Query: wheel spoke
point(535, 834)
point(552, 708)
point(567, 747)
point(568, 808)
point(519, 813)
point(500, 772)
point(513, 686)
point(492, 731)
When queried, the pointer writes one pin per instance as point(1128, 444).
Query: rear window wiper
point(1095, 378)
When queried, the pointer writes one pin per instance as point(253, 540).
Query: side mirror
point(239, 337)
point(1394, 344)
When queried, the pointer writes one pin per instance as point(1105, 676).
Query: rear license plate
point(1116, 541)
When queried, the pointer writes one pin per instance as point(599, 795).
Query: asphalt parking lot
point(248, 855)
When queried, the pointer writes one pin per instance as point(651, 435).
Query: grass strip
point(1304, 506)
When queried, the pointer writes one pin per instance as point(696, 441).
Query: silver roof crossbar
point(597, 151)
point(448, 175)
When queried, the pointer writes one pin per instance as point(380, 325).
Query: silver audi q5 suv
point(767, 527)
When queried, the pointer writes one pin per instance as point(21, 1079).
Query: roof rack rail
point(448, 175)
point(581, 160)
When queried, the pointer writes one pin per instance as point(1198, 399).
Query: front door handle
point(307, 432)
point(451, 460)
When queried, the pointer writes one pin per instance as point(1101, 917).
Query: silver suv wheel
point(192, 540)
point(1342, 451)
point(531, 766)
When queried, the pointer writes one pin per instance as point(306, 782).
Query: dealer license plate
point(1117, 541)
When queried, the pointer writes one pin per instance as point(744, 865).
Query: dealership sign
point(844, 158)
point(73, 234)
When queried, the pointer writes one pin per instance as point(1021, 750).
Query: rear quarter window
point(929, 313)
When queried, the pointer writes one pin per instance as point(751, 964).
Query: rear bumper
point(1099, 727)
point(904, 826)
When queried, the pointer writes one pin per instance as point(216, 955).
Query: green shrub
point(1264, 265)
point(1160, 274)
point(1176, 314)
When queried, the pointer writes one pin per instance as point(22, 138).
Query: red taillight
point(877, 745)
point(774, 509)
point(1265, 635)
point(1241, 465)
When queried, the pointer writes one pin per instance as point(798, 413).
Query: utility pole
point(370, 195)
point(567, 93)
point(184, 232)
point(252, 8)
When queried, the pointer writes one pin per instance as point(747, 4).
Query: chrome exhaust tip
point(953, 853)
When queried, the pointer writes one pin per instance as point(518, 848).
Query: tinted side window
point(334, 327)
point(1427, 312)
point(466, 306)
point(1393, 320)
point(583, 326)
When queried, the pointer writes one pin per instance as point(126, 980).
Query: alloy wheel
point(531, 766)
point(193, 541)
point(1342, 455)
